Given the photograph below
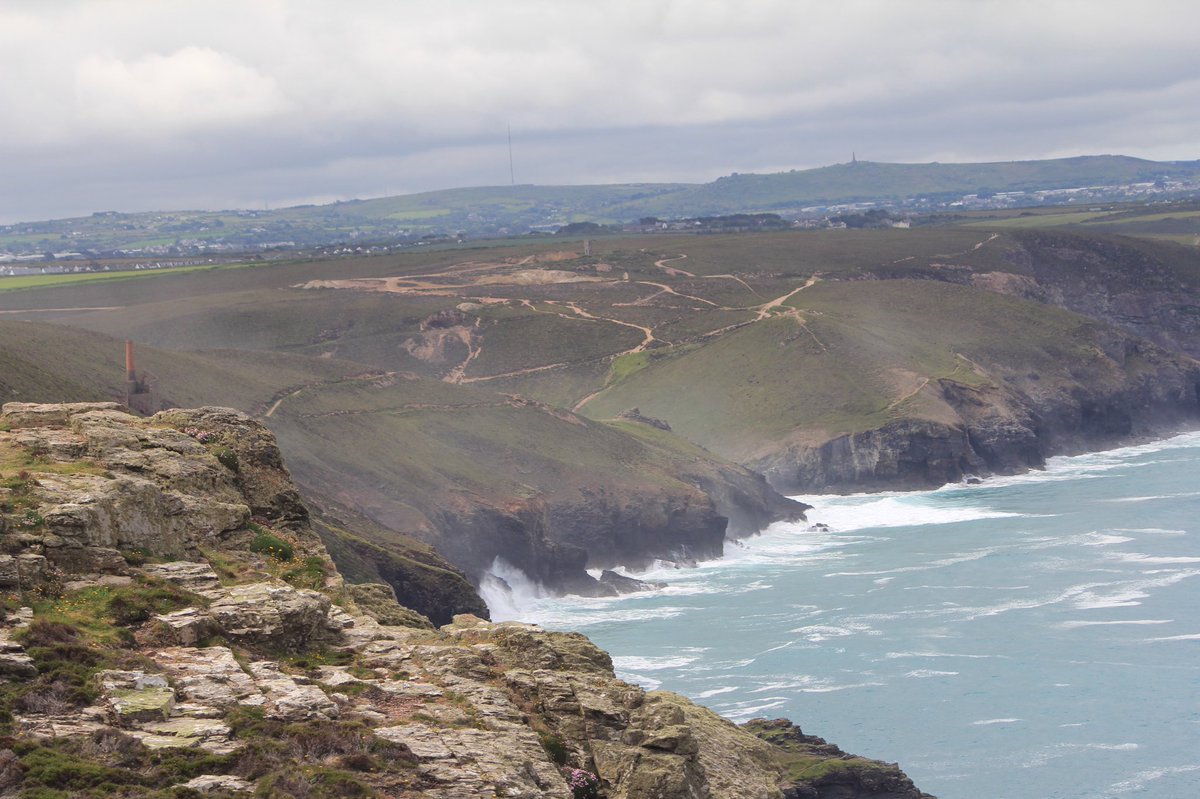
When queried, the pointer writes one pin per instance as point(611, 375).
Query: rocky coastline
point(174, 627)
point(1010, 425)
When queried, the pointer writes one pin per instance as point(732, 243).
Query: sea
point(1027, 637)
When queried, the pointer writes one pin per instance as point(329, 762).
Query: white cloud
point(192, 90)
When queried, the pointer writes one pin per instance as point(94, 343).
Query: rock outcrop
point(182, 650)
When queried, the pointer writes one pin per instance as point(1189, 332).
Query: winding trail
point(765, 309)
point(671, 270)
point(909, 395)
point(474, 347)
point(292, 391)
point(663, 288)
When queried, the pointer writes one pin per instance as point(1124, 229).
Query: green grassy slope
point(867, 180)
point(748, 341)
point(855, 362)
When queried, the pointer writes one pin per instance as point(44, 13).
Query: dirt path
point(671, 270)
point(909, 395)
point(646, 331)
point(738, 279)
point(292, 391)
point(517, 373)
point(765, 309)
point(474, 347)
point(975, 247)
point(62, 310)
point(663, 288)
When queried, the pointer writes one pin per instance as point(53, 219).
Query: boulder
point(218, 783)
point(274, 614)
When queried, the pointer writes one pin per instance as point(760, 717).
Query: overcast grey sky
point(145, 104)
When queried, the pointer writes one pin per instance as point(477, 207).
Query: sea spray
point(507, 590)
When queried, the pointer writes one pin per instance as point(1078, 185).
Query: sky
point(153, 105)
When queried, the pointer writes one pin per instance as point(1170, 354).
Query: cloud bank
point(139, 104)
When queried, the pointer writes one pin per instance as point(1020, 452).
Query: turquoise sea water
point(1034, 636)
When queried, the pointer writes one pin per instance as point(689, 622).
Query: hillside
point(479, 475)
point(172, 626)
point(989, 349)
point(514, 210)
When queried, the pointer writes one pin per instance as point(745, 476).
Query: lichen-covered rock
point(218, 783)
point(379, 602)
point(259, 470)
point(14, 663)
point(289, 699)
point(187, 627)
point(136, 696)
point(32, 414)
point(199, 578)
point(271, 614)
point(208, 677)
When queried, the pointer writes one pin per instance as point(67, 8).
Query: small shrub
point(310, 575)
point(227, 458)
point(45, 632)
point(56, 769)
point(265, 543)
point(554, 747)
point(137, 603)
point(138, 556)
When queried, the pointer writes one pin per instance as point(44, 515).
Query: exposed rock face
point(271, 688)
point(1134, 285)
point(1010, 423)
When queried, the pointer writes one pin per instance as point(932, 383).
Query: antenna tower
point(512, 177)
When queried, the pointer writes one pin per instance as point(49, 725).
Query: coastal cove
point(1032, 635)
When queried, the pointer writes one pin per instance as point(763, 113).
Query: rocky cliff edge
point(174, 628)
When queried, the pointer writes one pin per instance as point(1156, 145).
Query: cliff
point(174, 627)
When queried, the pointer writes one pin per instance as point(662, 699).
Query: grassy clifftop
point(748, 345)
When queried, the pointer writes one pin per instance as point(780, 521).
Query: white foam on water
point(1185, 637)
point(744, 711)
point(987, 722)
point(1150, 531)
point(1126, 594)
point(1153, 497)
point(897, 655)
point(638, 663)
point(649, 683)
point(807, 684)
point(1137, 499)
point(1046, 754)
point(1153, 560)
point(725, 689)
point(850, 512)
point(816, 633)
point(1103, 540)
point(775, 648)
point(1070, 625)
point(940, 563)
point(1138, 782)
point(923, 673)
